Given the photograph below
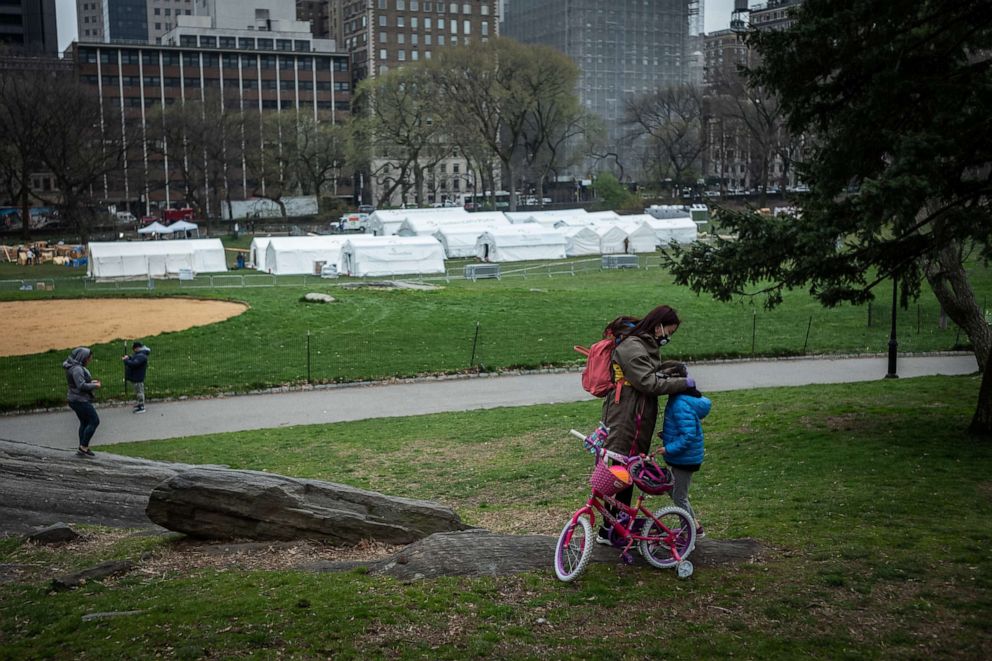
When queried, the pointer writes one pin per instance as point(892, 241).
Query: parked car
point(366, 208)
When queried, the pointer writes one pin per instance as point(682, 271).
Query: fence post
point(808, 326)
point(754, 328)
point(475, 343)
point(308, 355)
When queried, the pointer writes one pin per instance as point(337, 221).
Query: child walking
point(682, 436)
point(135, 367)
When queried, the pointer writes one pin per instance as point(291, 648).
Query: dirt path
point(29, 327)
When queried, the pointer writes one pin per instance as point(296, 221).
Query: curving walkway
point(336, 404)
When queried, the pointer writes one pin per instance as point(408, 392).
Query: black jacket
point(135, 365)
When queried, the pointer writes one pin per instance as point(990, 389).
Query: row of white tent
point(421, 239)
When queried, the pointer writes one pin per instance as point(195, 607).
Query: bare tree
point(400, 129)
point(77, 151)
point(670, 121)
point(21, 147)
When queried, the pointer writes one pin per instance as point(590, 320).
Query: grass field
point(490, 325)
point(873, 506)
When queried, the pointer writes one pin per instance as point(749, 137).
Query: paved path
point(206, 416)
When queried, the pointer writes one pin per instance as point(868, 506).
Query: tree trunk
point(946, 275)
point(25, 210)
point(981, 422)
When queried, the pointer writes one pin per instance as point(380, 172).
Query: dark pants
point(88, 421)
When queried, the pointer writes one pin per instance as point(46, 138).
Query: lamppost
point(893, 342)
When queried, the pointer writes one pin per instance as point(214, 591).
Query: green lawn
point(491, 325)
point(873, 506)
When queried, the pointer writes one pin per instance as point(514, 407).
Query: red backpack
point(598, 376)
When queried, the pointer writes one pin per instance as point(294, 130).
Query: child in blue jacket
point(682, 436)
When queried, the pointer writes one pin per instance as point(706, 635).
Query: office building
point(29, 25)
point(255, 58)
point(623, 49)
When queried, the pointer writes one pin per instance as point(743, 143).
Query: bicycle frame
point(598, 503)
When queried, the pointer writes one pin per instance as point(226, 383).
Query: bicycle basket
point(649, 477)
point(609, 480)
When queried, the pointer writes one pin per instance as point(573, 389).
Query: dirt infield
point(35, 326)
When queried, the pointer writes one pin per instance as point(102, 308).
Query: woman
point(631, 418)
point(81, 389)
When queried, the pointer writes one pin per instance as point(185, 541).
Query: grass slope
point(874, 504)
point(515, 322)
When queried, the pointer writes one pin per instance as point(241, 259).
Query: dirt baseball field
point(28, 327)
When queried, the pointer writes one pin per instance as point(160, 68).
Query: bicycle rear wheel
point(574, 548)
point(680, 537)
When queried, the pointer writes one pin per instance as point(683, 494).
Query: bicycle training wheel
point(574, 548)
point(677, 534)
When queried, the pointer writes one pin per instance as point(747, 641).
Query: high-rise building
point(29, 25)
point(382, 34)
point(317, 13)
point(623, 49)
point(128, 21)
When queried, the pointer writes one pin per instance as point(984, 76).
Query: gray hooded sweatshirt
point(80, 380)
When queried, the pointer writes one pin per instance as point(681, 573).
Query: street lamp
point(893, 343)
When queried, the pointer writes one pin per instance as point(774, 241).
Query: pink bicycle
point(665, 537)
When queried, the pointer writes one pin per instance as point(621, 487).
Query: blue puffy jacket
point(136, 364)
point(683, 431)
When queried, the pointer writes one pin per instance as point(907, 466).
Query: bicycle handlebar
point(603, 452)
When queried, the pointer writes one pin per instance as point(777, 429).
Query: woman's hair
point(660, 316)
point(618, 326)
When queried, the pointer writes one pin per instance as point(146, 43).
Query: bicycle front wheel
point(574, 549)
point(670, 542)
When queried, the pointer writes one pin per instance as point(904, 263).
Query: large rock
point(41, 486)
point(214, 503)
point(479, 552)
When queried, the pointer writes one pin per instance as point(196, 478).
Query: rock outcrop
point(213, 503)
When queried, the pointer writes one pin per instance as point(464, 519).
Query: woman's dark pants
point(88, 421)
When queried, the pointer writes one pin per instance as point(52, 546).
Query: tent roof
point(526, 234)
point(110, 248)
point(321, 241)
point(365, 240)
point(156, 228)
point(183, 226)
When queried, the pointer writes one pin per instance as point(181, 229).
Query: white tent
point(384, 222)
point(579, 240)
point(376, 256)
point(490, 217)
point(298, 255)
point(155, 228)
point(425, 224)
point(459, 239)
point(256, 252)
point(625, 237)
point(608, 216)
point(517, 243)
point(155, 259)
point(185, 227)
point(683, 230)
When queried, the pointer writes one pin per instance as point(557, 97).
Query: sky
point(716, 16)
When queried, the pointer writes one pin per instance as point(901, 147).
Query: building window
point(401, 55)
point(226, 42)
point(382, 21)
point(466, 8)
point(401, 38)
point(187, 40)
point(400, 5)
point(440, 24)
point(383, 55)
point(414, 39)
point(414, 5)
point(208, 42)
point(264, 44)
point(400, 22)
point(484, 10)
point(485, 28)
point(284, 44)
point(301, 45)
point(414, 55)
point(428, 40)
point(427, 23)
point(466, 27)
point(383, 37)
point(246, 43)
